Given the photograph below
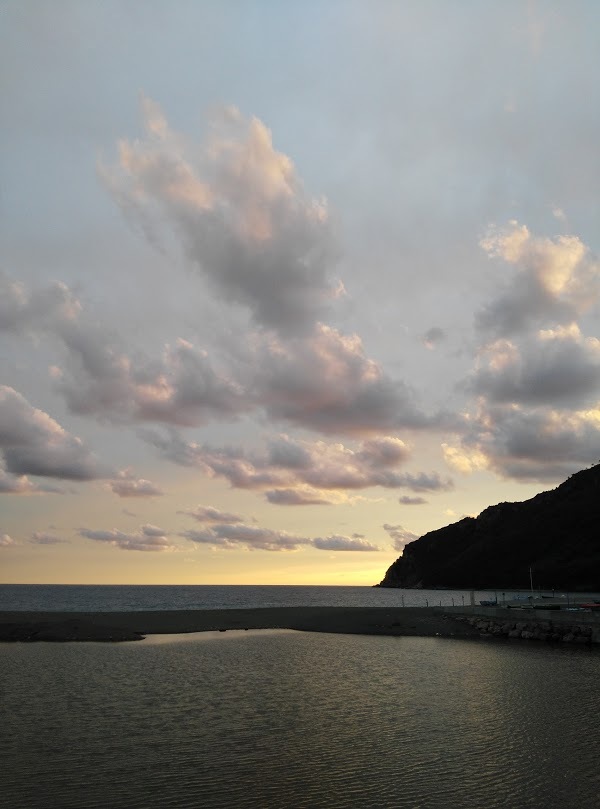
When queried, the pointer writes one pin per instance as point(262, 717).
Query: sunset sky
point(286, 285)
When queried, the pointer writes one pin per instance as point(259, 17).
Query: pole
point(531, 582)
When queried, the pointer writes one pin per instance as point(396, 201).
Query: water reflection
point(290, 719)
point(197, 637)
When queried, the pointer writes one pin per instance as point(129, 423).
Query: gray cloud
point(128, 486)
point(555, 282)
point(247, 536)
point(538, 444)
point(180, 388)
point(554, 367)
point(322, 380)
point(433, 337)
point(10, 484)
point(99, 378)
point(400, 536)
point(325, 467)
point(147, 538)
point(209, 514)
point(32, 443)
point(342, 543)
point(44, 538)
point(297, 497)
point(406, 500)
point(537, 381)
point(251, 537)
point(239, 210)
point(23, 310)
point(427, 482)
point(325, 382)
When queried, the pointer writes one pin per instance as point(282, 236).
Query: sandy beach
point(122, 626)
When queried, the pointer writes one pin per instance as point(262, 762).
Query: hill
point(557, 533)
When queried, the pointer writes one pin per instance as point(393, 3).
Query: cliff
point(557, 533)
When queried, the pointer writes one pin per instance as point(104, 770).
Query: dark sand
point(116, 626)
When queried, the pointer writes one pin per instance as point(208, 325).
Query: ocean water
point(181, 597)
point(281, 719)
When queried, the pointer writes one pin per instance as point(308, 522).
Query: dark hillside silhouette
point(557, 533)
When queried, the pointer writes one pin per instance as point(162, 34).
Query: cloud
point(406, 500)
point(22, 310)
point(466, 459)
point(32, 443)
point(181, 387)
point(400, 536)
point(311, 469)
point(209, 514)
point(298, 497)
point(556, 281)
point(427, 482)
point(239, 211)
point(127, 486)
point(539, 444)
point(6, 541)
point(342, 543)
point(536, 378)
point(325, 382)
point(43, 538)
point(433, 337)
point(250, 537)
point(100, 378)
point(558, 367)
point(322, 380)
point(147, 538)
point(20, 484)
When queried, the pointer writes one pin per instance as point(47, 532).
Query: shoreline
point(127, 626)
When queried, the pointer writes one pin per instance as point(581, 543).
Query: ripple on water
point(298, 720)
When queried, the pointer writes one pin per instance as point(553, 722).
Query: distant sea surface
point(114, 598)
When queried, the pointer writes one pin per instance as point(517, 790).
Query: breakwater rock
point(534, 630)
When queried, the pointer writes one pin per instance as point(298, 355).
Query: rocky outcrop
point(533, 630)
point(556, 533)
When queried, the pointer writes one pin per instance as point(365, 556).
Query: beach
point(124, 626)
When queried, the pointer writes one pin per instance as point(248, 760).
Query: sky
point(284, 286)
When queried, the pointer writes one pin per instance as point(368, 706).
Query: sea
point(270, 719)
point(109, 598)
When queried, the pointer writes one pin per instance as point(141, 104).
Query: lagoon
point(293, 719)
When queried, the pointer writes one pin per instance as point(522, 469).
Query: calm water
point(274, 719)
point(181, 597)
